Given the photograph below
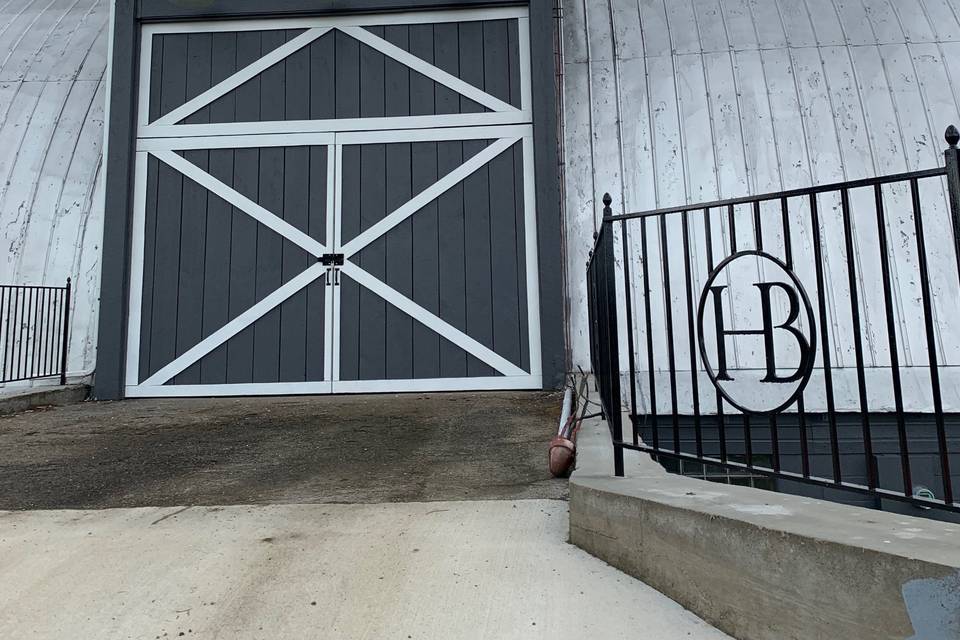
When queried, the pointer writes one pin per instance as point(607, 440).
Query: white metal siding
point(52, 65)
point(683, 101)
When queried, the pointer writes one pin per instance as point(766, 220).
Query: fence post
point(952, 157)
point(66, 335)
point(615, 418)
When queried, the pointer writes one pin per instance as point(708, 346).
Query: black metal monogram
point(768, 327)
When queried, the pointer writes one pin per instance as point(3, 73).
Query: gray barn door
point(335, 205)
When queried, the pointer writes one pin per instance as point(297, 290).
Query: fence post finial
point(952, 136)
point(607, 211)
point(952, 164)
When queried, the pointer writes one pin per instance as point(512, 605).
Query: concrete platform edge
point(761, 565)
point(43, 397)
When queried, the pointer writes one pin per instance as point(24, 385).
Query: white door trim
point(362, 20)
point(183, 136)
point(506, 125)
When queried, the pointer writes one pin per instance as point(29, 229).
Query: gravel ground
point(333, 449)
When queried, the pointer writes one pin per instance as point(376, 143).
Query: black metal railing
point(34, 332)
point(806, 336)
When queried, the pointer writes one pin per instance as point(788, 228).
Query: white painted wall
point(52, 65)
point(683, 101)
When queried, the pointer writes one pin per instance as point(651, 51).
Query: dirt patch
point(383, 448)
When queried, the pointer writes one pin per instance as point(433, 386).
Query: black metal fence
point(807, 336)
point(34, 331)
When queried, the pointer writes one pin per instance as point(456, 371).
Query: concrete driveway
point(405, 517)
point(491, 570)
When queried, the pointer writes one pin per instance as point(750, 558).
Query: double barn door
point(335, 205)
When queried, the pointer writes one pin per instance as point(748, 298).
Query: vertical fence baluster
point(931, 343)
point(774, 431)
point(10, 315)
point(721, 420)
point(892, 341)
point(628, 295)
point(801, 414)
point(66, 334)
point(668, 309)
point(33, 333)
point(24, 318)
point(745, 417)
point(824, 339)
point(857, 337)
point(691, 336)
point(654, 423)
point(4, 321)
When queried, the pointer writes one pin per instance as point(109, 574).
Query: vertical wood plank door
point(335, 205)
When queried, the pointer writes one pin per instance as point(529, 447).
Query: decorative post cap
point(607, 199)
point(952, 136)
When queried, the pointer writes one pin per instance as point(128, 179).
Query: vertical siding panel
point(323, 84)
point(166, 266)
point(424, 172)
point(451, 240)
point(826, 22)
point(937, 88)
point(768, 24)
point(216, 285)
point(682, 25)
point(710, 24)
point(373, 308)
point(169, 202)
point(349, 311)
point(656, 31)
point(40, 231)
point(884, 21)
point(243, 246)
point(296, 187)
point(399, 241)
point(476, 196)
point(316, 292)
point(827, 166)
point(913, 20)
point(400, 258)
point(347, 76)
point(884, 135)
point(579, 209)
point(426, 276)
point(149, 262)
point(471, 61)
point(796, 23)
point(520, 244)
point(452, 301)
point(942, 19)
point(266, 331)
point(922, 151)
point(422, 40)
point(194, 222)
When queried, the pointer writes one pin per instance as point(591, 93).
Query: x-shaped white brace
point(317, 249)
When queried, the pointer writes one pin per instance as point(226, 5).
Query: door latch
point(334, 261)
point(331, 259)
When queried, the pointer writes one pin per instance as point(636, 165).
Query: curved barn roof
point(52, 66)
point(683, 101)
